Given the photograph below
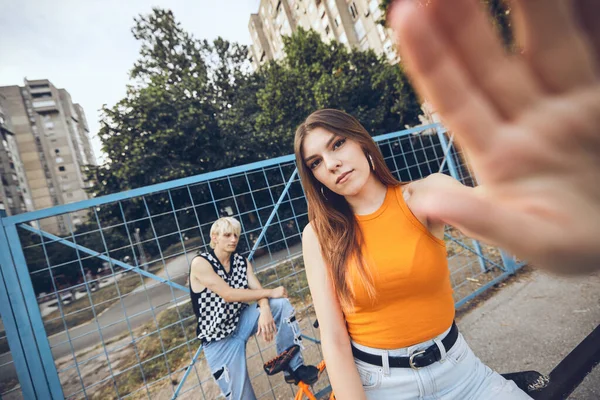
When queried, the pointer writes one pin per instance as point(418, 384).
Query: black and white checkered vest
point(217, 319)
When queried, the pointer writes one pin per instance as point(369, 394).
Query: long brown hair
point(330, 214)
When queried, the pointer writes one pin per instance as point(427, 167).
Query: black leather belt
point(418, 359)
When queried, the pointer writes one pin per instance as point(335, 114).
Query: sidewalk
point(533, 322)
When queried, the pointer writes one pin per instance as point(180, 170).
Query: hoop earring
point(371, 163)
point(323, 193)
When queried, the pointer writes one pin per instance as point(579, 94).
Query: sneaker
point(281, 362)
point(308, 374)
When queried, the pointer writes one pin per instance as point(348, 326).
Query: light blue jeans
point(227, 357)
point(460, 375)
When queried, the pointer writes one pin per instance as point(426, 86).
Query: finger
point(439, 78)
point(504, 80)
point(553, 44)
point(587, 12)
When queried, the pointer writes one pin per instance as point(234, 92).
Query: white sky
point(86, 46)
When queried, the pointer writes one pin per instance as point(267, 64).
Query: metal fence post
point(509, 262)
point(28, 341)
point(9, 319)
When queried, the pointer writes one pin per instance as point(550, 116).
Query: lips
point(342, 177)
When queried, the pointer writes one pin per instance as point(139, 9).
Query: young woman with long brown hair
point(378, 274)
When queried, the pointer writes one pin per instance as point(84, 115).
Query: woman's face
point(337, 162)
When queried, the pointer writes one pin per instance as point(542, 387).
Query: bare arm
point(266, 324)
point(202, 271)
point(254, 284)
point(337, 352)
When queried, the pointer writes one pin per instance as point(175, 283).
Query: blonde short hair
point(224, 225)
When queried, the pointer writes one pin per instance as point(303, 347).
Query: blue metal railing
point(49, 341)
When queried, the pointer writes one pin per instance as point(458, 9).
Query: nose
point(332, 163)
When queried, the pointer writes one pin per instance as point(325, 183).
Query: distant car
point(66, 297)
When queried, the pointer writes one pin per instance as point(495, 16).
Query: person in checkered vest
point(222, 286)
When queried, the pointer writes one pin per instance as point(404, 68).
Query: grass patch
point(160, 351)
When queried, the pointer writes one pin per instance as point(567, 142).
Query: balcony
point(44, 105)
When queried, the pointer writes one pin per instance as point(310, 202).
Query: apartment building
point(354, 23)
point(53, 143)
point(15, 196)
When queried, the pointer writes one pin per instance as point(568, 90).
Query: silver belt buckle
point(411, 360)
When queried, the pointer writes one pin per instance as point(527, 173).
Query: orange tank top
point(413, 301)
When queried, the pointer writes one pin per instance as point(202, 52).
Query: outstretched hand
point(529, 122)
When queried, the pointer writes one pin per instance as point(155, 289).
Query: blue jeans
point(227, 357)
point(460, 375)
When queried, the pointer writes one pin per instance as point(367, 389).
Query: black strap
point(418, 359)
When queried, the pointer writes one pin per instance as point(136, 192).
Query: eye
point(314, 164)
point(338, 143)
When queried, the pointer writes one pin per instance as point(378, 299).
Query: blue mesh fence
point(107, 297)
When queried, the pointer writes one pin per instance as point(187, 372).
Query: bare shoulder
point(200, 264)
point(309, 237)
point(308, 232)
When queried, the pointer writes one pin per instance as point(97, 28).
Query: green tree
point(167, 126)
point(317, 75)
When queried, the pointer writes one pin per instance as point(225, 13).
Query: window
point(337, 21)
point(381, 32)
point(41, 95)
point(327, 29)
point(359, 29)
point(353, 10)
point(61, 168)
point(374, 7)
point(343, 38)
